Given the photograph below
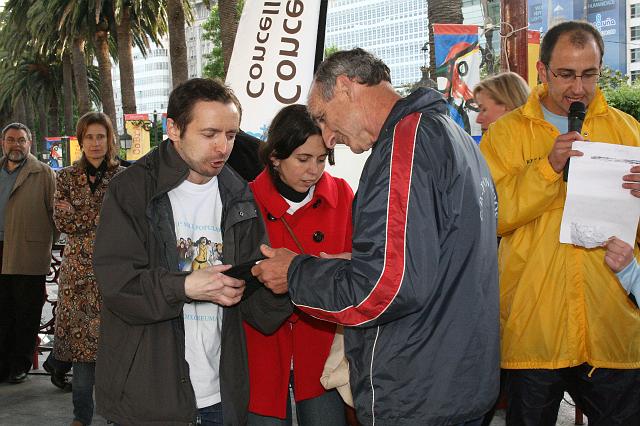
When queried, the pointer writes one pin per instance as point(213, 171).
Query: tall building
point(153, 72)
point(395, 31)
point(633, 39)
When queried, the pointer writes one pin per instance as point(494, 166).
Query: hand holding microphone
point(562, 150)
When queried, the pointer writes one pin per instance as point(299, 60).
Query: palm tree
point(137, 22)
point(229, 11)
point(177, 42)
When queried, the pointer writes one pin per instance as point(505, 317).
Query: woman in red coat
point(305, 210)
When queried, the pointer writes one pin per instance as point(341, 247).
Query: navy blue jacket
point(420, 293)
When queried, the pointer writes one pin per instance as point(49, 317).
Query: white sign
point(273, 58)
point(597, 206)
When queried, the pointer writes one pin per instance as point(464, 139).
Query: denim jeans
point(326, 409)
point(210, 416)
point(82, 391)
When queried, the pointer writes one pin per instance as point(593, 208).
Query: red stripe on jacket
point(388, 284)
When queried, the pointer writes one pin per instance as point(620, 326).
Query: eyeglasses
point(21, 141)
point(569, 76)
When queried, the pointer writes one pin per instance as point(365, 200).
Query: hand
point(634, 180)
point(345, 255)
point(272, 272)
point(64, 206)
point(211, 285)
point(619, 254)
point(561, 150)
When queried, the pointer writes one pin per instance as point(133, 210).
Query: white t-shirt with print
point(197, 212)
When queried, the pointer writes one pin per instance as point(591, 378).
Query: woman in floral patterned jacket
point(80, 189)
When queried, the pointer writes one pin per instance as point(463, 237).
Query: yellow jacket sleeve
point(526, 187)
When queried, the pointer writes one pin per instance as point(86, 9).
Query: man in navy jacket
point(419, 292)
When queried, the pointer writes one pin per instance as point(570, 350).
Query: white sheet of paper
point(597, 206)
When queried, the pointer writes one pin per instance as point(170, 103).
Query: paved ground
point(37, 402)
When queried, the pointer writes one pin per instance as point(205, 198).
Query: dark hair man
point(420, 292)
point(171, 348)
point(567, 325)
point(27, 230)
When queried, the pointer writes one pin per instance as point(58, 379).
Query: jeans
point(82, 391)
point(326, 409)
point(210, 416)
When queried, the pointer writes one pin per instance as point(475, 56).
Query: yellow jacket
point(560, 305)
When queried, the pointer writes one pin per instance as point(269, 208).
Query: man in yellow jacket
point(566, 322)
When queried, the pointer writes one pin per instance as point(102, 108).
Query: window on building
point(635, 10)
point(635, 55)
point(635, 33)
point(635, 75)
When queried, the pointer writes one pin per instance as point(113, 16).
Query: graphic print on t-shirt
point(198, 254)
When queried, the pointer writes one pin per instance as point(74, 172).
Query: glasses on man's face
point(569, 76)
point(19, 141)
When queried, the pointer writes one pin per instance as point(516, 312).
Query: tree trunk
point(177, 43)
point(125, 57)
point(227, 10)
point(441, 12)
point(67, 83)
point(19, 112)
point(43, 128)
point(54, 115)
point(80, 74)
point(30, 116)
point(104, 67)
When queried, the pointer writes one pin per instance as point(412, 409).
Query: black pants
point(608, 397)
point(21, 300)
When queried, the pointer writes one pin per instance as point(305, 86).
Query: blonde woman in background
point(497, 95)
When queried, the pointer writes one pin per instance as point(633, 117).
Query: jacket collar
point(30, 165)
point(172, 171)
point(533, 107)
point(266, 193)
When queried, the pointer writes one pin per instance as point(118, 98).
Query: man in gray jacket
point(27, 187)
point(420, 292)
point(172, 347)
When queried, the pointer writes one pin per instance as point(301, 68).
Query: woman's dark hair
point(290, 128)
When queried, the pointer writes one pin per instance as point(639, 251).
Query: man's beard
point(16, 156)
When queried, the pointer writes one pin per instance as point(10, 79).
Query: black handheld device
point(575, 118)
point(242, 271)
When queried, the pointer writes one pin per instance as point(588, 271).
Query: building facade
point(633, 39)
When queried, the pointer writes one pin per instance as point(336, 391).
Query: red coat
point(302, 337)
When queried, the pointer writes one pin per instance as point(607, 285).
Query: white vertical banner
point(273, 58)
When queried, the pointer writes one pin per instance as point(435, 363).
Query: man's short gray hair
point(357, 64)
point(16, 126)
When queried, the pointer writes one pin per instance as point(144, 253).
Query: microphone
point(575, 118)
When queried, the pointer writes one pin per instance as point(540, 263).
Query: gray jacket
point(142, 377)
point(420, 293)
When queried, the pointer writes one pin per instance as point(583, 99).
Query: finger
point(267, 251)
point(232, 282)
point(635, 169)
point(632, 177)
point(575, 153)
point(219, 268)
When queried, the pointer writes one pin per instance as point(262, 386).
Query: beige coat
point(28, 222)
